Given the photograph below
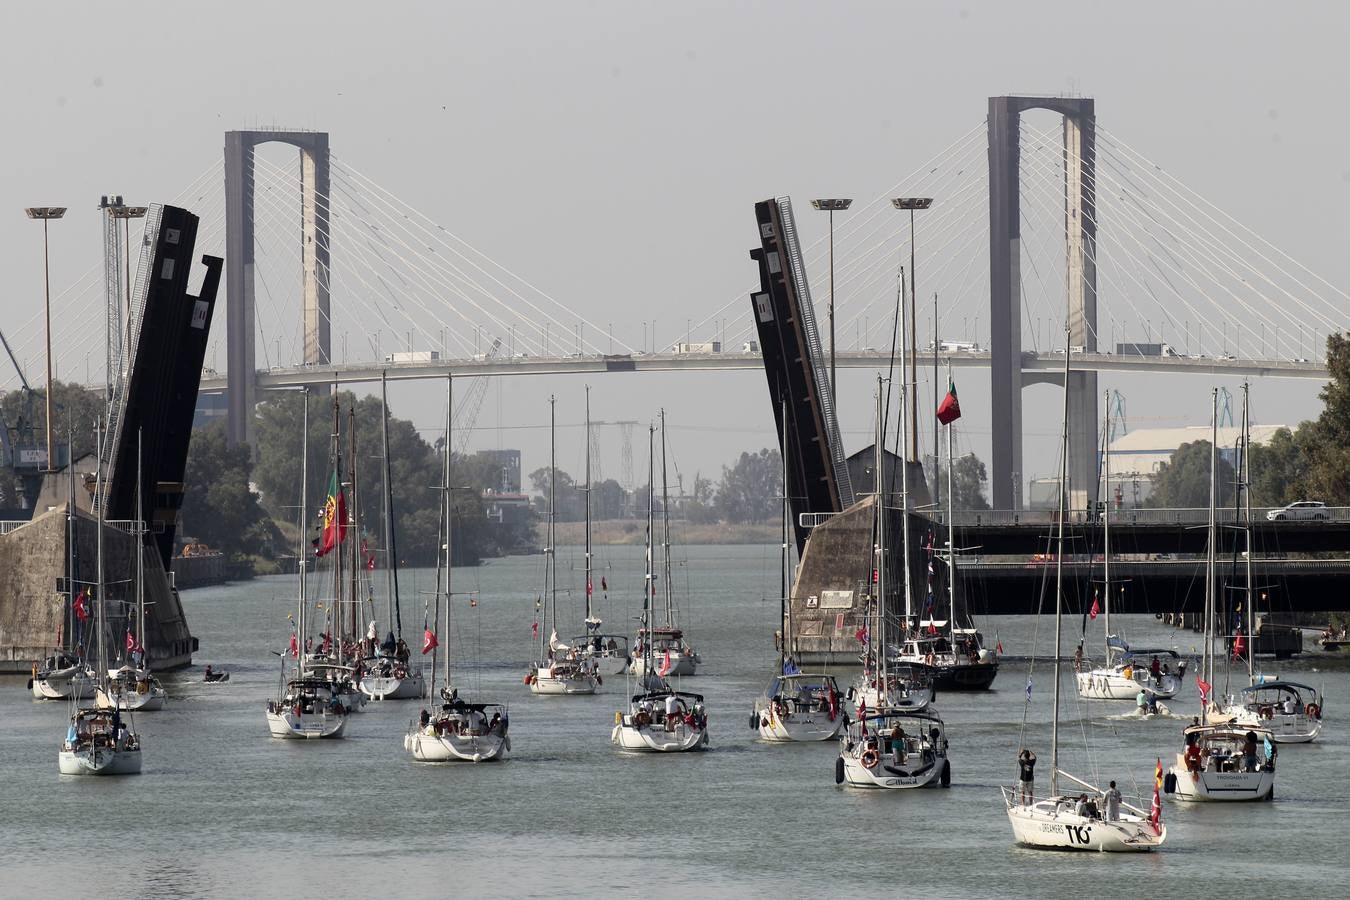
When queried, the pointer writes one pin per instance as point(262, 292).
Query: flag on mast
point(949, 410)
point(1155, 814)
point(334, 518)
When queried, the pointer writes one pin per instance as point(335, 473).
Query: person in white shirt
point(1289, 706)
point(1112, 798)
point(672, 711)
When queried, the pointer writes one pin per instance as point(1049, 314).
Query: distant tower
point(241, 323)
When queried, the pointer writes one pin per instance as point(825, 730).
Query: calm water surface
point(223, 811)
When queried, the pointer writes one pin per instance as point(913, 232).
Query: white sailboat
point(99, 741)
point(558, 668)
point(670, 652)
point(1065, 821)
point(797, 706)
point(459, 730)
point(1125, 674)
point(308, 706)
point(659, 719)
point(607, 653)
point(1220, 760)
point(133, 685)
point(886, 682)
point(385, 675)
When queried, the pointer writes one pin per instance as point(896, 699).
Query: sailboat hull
point(149, 700)
point(456, 748)
point(1284, 728)
point(1222, 787)
point(100, 761)
point(288, 726)
point(545, 684)
point(655, 739)
point(61, 686)
point(680, 664)
point(907, 700)
point(1042, 827)
point(1111, 684)
point(798, 726)
point(607, 663)
point(379, 687)
point(887, 774)
point(975, 677)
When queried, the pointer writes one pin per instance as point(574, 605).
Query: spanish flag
point(334, 518)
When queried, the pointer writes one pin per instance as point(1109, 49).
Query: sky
point(611, 153)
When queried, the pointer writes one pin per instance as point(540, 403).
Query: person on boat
point(898, 743)
point(496, 721)
point(1026, 774)
point(1249, 752)
point(672, 711)
point(1289, 706)
point(1111, 800)
point(1193, 761)
point(208, 672)
point(1141, 700)
point(1078, 659)
point(1155, 669)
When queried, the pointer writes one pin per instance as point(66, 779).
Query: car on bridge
point(1303, 510)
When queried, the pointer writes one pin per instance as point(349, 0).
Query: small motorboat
point(212, 676)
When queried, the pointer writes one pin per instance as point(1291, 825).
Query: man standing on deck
point(1112, 797)
point(1026, 775)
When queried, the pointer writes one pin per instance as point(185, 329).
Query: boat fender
point(30, 684)
point(946, 773)
point(754, 721)
point(849, 695)
point(1314, 710)
point(838, 770)
point(1170, 783)
point(529, 678)
point(765, 723)
point(870, 758)
point(599, 681)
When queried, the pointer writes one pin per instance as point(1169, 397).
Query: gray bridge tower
point(241, 323)
point(1005, 293)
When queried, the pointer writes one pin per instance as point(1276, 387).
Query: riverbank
point(634, 531)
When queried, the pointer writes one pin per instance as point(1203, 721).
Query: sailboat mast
point(1059, 571)
point(335, 621)
point(904, 466)
point(784, 601)
point(550, 572)
point(1207, 663)
point(1106, 521)
point(588, 507)
point(70, 544)
point(355, 535)
point(449, 501)
point(1247, 529)
point(649, 590)
point(951, 536)
point(665, 528)
point(98, 608)
point(390, 541)
point(301, 554)
point(140, 549)
point(879, 459)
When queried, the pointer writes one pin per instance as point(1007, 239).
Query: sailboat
point(100, 741)
point(307, 707)
point(465, 731)
point(607, 653)
point(1068, 822)
point(388, 673)
point(1126, 673)
point(558, 667)
point(64, 674)
point(132, 685)
point(885, 682)
point(666, 641)
point(955, 654)
point(660, 719)
point(797, 706)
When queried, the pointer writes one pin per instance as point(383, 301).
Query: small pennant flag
point(295, 645)
point(81, 610)
point(429, 641)
point(863, 636)
point(604, 586)
point(1096, 607)
point(534, 629)
point(1204, 687)
point(949, 410)
point(589, 587)
point(1240, 647)
point(998, 648)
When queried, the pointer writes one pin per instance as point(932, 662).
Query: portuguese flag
point(949, 410)
point(334, 518)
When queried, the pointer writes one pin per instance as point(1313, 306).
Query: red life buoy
point(529, 679)
point(870, 758)
point(1314, 710)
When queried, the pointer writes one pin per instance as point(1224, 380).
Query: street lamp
point(46, 214)
point(911, 204)
point(832, 206)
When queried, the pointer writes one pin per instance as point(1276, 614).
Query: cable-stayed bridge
point(1046, 237)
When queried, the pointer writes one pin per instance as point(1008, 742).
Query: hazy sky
point(611, 152)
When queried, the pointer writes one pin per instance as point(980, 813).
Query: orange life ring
point(870, 758)
point(529, 679)
point(1314, 710)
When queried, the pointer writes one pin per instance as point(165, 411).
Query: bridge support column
point(1005, 298)
point(241, 320)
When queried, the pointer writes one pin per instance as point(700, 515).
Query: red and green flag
point(949, 410)
point(334, 518)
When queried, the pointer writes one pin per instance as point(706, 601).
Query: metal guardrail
point(979, 518)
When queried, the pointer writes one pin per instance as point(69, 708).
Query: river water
point(222, 810)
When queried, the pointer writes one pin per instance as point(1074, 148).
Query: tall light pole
point(831, 206)
point(46, 214)
point(911, 204)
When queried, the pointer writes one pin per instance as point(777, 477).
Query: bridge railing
point(978, 518)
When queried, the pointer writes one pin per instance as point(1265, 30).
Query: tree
point(1183, 481)
point(1325, 442)
point(750, 489)
point(1277, 469)
point(969, 477)
point(571, 502)
point(219, 509)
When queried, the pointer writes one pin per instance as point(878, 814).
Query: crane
point(23, 455)
point(472, 403)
